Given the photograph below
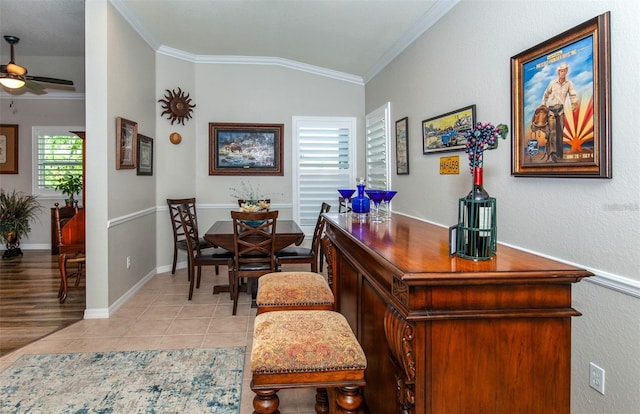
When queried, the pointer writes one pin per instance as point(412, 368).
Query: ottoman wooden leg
point(348, 400)
point(266, 402)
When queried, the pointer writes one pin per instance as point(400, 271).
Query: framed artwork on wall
point(561, 105)
point(245, 149)
point(446, 132)
point(145, 155)
point(8, 149)
point(402, 146)
point(126, 143)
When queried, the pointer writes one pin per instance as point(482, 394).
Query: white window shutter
point(378, 148)
point(324, 160)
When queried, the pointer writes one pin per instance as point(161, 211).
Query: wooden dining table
point(221, 234)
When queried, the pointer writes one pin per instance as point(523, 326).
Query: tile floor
point(159, 316)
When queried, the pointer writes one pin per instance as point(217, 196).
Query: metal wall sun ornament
point(177, 105)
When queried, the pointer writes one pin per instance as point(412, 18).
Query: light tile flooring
point(159, 316)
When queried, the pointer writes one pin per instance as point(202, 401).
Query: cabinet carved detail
point(400, 336)
point(400, 290)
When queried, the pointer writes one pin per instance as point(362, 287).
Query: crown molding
point(439, 9)
point(435, 13)
point(126, 13)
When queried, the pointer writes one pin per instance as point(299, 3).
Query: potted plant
point(17, 210)
point(70, 184)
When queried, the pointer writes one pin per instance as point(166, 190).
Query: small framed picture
point(402, 146)
point(447, 132)
point(126, 143)
point(145, 155)
point(8, 149)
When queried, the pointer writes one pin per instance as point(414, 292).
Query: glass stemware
point(387, 201)
point(376, 196)
point(346, 196)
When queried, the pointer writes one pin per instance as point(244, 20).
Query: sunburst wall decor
point(177, 105)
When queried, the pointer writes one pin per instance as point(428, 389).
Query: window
point(378, 144)
point(57, 151)
point(323, 161)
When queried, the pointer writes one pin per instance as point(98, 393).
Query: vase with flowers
point(250, 198)
point(477, 211)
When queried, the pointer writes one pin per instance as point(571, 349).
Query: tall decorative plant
point(17, 210)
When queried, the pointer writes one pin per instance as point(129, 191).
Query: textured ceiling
point(349, 36)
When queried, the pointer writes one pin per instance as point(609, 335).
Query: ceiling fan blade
point(50, 80)
point(34, 86)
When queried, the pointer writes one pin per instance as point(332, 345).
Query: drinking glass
point(376, 196)
point(387, 201)
point(346, 195)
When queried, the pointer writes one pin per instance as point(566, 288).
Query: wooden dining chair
point(304, 255)
point(70, 241)
point(179, 238)
point(215, 256)
point(254, 236)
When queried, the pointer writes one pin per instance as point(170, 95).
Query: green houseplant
point(70, 185)
point(17, 210)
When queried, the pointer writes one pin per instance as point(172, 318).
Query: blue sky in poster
point(539, 72)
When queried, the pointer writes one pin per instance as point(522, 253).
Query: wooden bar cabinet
point(449, 335)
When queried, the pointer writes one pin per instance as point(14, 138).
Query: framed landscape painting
point(561, 105)
point(447, 132)
point(245, 149)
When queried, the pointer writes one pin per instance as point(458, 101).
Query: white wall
point(465, 59)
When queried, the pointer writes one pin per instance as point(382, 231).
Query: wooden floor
point(29, 306)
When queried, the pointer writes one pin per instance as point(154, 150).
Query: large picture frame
point(402, 146)
point(9, 149)
point(126, 144)
point(561, 105)
point(145, 155)
point(245, 149)
point(447, 132)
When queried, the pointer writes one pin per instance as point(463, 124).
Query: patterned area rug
point(171, 381)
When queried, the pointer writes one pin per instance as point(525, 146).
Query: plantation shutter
point(325, 161)
point(58, 152)
point(378, 148)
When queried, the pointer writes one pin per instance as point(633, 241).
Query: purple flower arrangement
point(483, 137)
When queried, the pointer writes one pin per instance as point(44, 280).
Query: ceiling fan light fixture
point(16, 69)
point(12, 82)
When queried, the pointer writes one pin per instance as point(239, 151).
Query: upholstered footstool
point(293, 291)
point(306, 349)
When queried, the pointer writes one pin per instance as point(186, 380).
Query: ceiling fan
point(14, 76)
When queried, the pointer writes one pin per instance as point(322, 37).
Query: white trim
point(130, 217)
point(258, 60)
point(616, 283)
point(126, 13)
point(103, 313)
point(435, 13)
point(439, 9)
point(276, 61)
